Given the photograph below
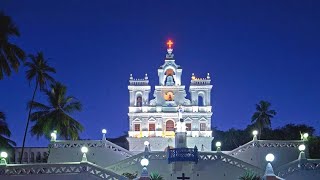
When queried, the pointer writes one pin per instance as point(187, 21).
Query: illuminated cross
point(169, 43)
point(183, 177)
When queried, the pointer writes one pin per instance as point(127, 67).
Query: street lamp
point(302, 154)
point(269, 157)
point(255, 133)
point(53, 136)
point(218, 145)
point(144, 163)
point(269, 170)
point(104, 132)
point(84, 150)
point(3, 156)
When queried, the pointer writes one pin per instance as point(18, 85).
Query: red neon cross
point(169, 43)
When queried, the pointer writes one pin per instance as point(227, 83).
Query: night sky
point(254, 50)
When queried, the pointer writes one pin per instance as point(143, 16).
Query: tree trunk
point(27, 125)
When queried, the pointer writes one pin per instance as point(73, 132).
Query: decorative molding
point(59, 144)
point(59, 169)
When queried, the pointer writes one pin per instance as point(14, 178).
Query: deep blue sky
point(255, 50)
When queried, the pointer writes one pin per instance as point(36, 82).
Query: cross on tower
point(183, 177)
point(169, 43)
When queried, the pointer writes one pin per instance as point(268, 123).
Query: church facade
point(155, 119)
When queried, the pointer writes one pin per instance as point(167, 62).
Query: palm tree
point(5, 133)
point(10, 54)
point(263, 115)
point(56, 115)
point(249, 176)
point(155, 176)
point(39, 71)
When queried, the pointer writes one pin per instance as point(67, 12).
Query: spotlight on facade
point(302, 147)
point(218, 145)
point(3, 156)
point(54, 136)
point(84, 150)
point(270, 157)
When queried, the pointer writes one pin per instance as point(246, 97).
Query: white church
point(169, 135)
point(155, 120)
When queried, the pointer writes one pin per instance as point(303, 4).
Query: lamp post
point(302, 155)
point(269, 170)
point(255, 135)
point(3, 156)
point(84, 150)
point(53, 136)
point(104, 132)
point(144, 174)
point(218, 145)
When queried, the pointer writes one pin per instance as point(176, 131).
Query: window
point(203, 127)
point(136, 127)
point(152, 127)
point(200, 101)
point(139, 101)
point(170, 125)
point(188, 125)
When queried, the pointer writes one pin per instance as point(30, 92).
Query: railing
point(265, 143)
point(211, 156)
point(59, 169)
point(136, 160)
point(90, 144)
point(183, 154)
point(298, 165)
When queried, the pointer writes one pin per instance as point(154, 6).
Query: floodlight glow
point(255, 132)
point(104, 131)
point(269, 157)
point(302, 147)
point(53, 135)
point(218, 144)
point(144, 162)
point(305, 135)
point(84, 149)
point(3, 154)
point(146, 143)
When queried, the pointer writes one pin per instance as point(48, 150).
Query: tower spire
point(169, 49)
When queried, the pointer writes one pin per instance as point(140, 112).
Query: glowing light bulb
point(269, 157)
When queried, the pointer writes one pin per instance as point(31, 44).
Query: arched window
point(139, 101)
point(38, 157)
point(169, 81)
point(25, 157)
point(169, 125)
point(32, 157)
point(45, 157)
point(200, 100)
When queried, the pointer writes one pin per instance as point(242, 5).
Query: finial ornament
point(193, 77)
point(146, 76)
point(131, 77)
point(208, 75)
